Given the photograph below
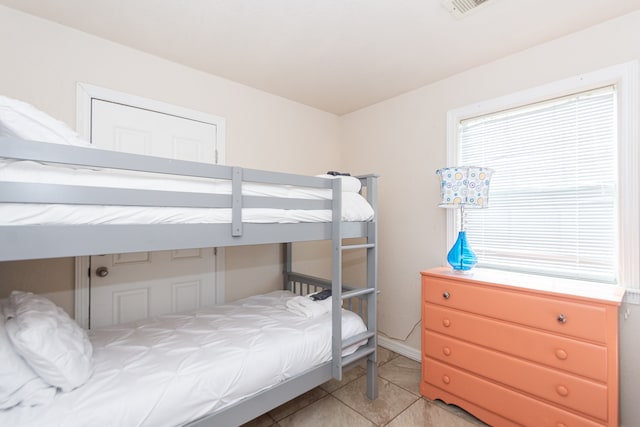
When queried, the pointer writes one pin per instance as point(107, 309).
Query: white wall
point(41, 64)
point(404, 139)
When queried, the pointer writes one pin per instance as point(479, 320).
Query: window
point(565, 180)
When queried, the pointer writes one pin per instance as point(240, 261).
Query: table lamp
point(463, 187)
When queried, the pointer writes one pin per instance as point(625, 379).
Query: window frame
point(625, 78)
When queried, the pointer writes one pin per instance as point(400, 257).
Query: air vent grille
point(459, 8)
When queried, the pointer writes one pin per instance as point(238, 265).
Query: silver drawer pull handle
point(562, 318)
point(446, 295)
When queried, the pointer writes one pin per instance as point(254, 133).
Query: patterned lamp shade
point(466, 187)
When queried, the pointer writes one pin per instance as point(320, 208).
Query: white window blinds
point(553, 196)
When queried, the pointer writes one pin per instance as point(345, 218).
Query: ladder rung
point(360, 353)
point(362, 246)
point(355, 293)
point(357, 338)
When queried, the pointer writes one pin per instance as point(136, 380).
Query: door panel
point(185, 295)
point(131, 258)
point(135, 130)
point(129, 305)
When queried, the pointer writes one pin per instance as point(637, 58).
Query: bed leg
point(287, 255)
point(372, 379)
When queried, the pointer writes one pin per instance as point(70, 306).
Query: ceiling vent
point(460, 8)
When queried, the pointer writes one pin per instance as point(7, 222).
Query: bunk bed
point(227, 205)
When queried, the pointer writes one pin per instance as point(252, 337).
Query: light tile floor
point(344, 403)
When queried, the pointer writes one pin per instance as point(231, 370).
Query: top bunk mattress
point(171, 369)
point(354, 206)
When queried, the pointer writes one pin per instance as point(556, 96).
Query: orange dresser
point(516, 350)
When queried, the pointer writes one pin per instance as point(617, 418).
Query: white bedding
point(22, 120)
point(171, 369)
point(354, 206)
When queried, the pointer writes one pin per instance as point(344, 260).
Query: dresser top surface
point(537, 284)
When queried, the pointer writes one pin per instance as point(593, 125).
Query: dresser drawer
point(578, 357)
point(555, 386)
point(509, 404)
point(563, 317)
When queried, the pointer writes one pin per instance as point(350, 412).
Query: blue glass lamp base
point(461, 257)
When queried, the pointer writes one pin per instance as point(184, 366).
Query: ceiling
point(334, 55)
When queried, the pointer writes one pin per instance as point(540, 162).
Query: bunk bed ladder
point(339, 294)
point(369, 350)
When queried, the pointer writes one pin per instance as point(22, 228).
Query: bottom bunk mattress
point(171, 369)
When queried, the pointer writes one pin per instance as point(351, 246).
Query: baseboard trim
point(400, 348)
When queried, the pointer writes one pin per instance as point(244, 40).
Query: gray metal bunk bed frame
point(22, 242)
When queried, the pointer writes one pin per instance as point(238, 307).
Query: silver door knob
point(102, 271)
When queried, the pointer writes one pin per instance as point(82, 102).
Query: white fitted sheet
point(354, 206)
point(170, 369)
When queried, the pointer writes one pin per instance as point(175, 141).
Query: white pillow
point(23, 120)
point(49, 340)
point(350, 184)
point(19, 384)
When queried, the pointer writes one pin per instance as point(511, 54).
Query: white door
point(137, 285)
